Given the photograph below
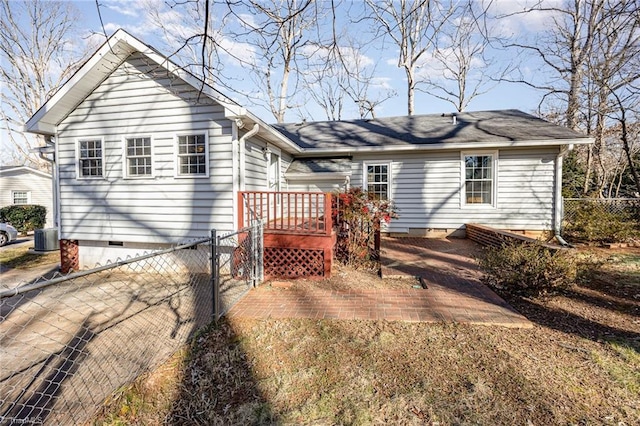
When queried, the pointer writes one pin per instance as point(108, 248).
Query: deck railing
point(287, 212)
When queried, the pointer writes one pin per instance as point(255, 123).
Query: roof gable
point(98, 68)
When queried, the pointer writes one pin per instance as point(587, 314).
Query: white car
point(7, 233)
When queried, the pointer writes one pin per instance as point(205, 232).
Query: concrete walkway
point(446, 267)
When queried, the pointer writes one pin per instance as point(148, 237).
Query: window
point(479, 179)
point(90, 156)
point(377, 180)
point(138, 157)
point(192, 155)
point(21, 197)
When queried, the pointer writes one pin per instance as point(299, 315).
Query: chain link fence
point(601, 219)
point(626, 208)
point(68, 343)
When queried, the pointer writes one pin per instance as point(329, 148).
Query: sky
point(130, 15)
point(133, 16)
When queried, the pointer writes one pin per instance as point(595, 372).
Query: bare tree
point(341, 73)
point(461, 66)
point(564, 49)
point(280, 31)
point(39, 51)
point(413, 25)
point(612, 67)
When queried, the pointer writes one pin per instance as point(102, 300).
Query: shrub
point(529, 269)
point(593, 222)
point(24, 218)
point(358, 215)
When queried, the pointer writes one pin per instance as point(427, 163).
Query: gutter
point(350, 150)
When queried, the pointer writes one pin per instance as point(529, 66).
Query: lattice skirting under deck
point(293, 262)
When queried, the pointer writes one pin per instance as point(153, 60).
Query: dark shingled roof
point(320, 165)
point(481, 126)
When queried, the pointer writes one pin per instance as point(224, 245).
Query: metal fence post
point(260, 255)
point(215, 279)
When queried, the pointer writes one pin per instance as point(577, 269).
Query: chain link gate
point(237, 264)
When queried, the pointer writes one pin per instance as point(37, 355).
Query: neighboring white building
point(149, 155)
point(26, 185)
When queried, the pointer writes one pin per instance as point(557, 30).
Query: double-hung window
point(90, 158)
point(193, 154)
point(479, 178)
point(138, 157)
point(21, 197)
point(377, 180)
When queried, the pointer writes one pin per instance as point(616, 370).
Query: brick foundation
point(69, 256)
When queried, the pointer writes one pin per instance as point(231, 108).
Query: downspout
point(54, 176)
point(243, 148)
point(559, 204)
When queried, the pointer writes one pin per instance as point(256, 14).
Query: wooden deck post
point(328, 222)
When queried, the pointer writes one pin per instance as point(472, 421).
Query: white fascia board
point(36, 124)
point(26, 169)
point(40, 127)
point(445, 146)
point(317, 176)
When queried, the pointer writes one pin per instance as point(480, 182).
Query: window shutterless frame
point(137, 157)
point(90, 158)
point(192, 155)
point(376, 179)
point(21, 197)
point(479, 177)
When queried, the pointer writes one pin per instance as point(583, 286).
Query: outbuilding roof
point(471, 129)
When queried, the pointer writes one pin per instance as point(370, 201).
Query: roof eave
point(445, 146)
point(317, 176)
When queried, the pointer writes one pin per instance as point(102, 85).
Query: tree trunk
point(410, 90)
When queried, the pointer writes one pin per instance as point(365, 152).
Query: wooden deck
point(298, 233)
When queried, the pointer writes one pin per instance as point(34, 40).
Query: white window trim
point(494, 178)
point(177, 174)
point(13, 200)
point(125, 158)
point(365, 183)
point(78, 168)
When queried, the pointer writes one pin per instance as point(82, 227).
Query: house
point(26, 185)
point(149, 155)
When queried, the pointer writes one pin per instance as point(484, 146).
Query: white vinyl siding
point(426, 188)
point(138, 157)
point(255, 166)
point(162, 209)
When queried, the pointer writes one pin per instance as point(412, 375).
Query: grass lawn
point(20, 258)
point(580, 364)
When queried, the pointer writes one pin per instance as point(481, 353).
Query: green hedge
point(24, 218)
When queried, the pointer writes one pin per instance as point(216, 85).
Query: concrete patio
point(446, 266)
